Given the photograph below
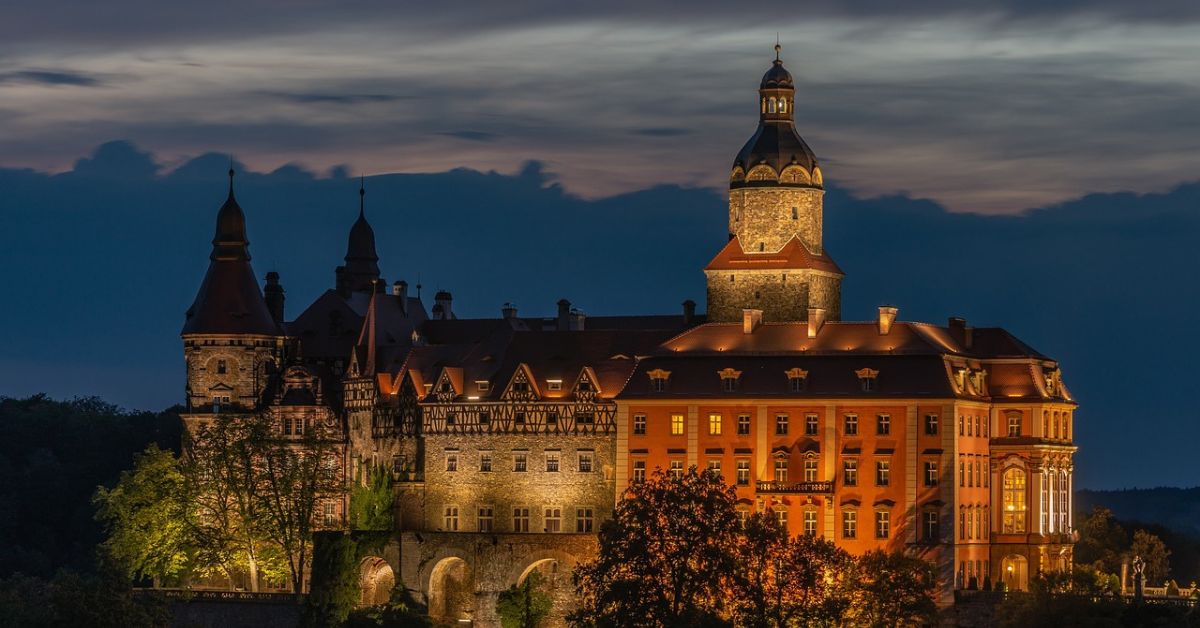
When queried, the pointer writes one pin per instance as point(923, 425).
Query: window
point(743, 472)
point(851, 425)
point(714, 424)
point(1014, 425)
point(783, 109)
point(729, 384)
point(482, 385)
point(781, 515)
point(961, 420)
point(485, 418)
point(676, 469)
point(883, 473)
point(584, 520)
point(520, 387)
point(585, 462)
point(850, 472)
point(1014, 501)
point(553, 519)
point(771, 105)
point(781, 470)
point(931, 473)
point(554, 384)
point(883, 524)
point(810, 425)
point(868, 384)
point(485, 519)
point(639, 424)
point(450, 519)
point(931, 424)
point(962, 471)
point(781, 424)
point(676, 424)
point(552, 462)
point(796, 384)
point(520, 462)
point(658, 384)
point(714, 465)
point(795, 213)
point(451, 462)
point(883, 425)
point(520, 519)
point(639, 471)
point(585, 386)
point(931, 525)
point(218, 401)
point(849, 524)
point(978, 426)
point(485, 461)
point(810, 470)
point(970, 431)
point(962, 523)
point(743, 424)
point(810, 522)
point(743, 513)
point(221, 367)
point(519, 418)
point(330, 514)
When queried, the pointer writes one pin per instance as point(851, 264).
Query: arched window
point(782, 105)
point(1014, 501)
point(771, 105)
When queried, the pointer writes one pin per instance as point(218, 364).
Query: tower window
point(795, 213)
point(782, 105)
point(221, 368)
point(762, 247)
point(771, 105)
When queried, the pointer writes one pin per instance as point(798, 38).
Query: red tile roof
point(793, 255)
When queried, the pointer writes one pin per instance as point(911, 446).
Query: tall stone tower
point(232, 343)
point(774, 260)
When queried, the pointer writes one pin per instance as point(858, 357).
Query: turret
point(362, 263)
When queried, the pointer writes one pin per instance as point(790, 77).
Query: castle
point(510, 439)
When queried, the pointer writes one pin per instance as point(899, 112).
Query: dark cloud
point(474, 136)
point(50, 77)
point(661, 132)
point(334, 98)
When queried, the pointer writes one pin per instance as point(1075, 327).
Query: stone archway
point(451, 591)
point(376, 580)
point(554, 568)
point(1014, 573)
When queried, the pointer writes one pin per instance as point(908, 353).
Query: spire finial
point(231, 173)
point(778, 48)
point(362, 193)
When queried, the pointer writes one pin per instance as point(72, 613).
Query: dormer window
point(482, 385)
point(585, 386)
point(797, 379)
point(868, 379)
point(445, 387)
point(729, 379)
point(554, 384)
point(658, 380)
point(520, 387)
point(960, 378)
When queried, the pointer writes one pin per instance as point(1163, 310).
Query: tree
point(146, 516)
point(783, 581)
point(371, 505)
point(1101, 541)
point(401, 611)
point(664, 556)
point(892, 589)
point(1154, 552)
point(524, 605)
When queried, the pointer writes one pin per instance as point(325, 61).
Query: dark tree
point(893, 589)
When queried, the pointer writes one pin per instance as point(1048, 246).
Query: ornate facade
point(510, 439)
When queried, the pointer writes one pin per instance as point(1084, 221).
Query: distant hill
point(1174, 508)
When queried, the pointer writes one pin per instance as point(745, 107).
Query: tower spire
point(778, 48)
point(362, 193)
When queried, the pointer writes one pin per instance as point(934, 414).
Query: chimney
point(509, 310)
point(442, 300)
point(887, 316)
point(751, 319)
point(689, 313)
point(960, 332)
point(273, 294)
point(578, 319)
point(816, 320)
point(564, 314)
point(400, 291)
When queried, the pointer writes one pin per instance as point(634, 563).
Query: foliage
point(1082, 599)
point(663, 556)
point(146, 516)
point(52, 456)
point(1101, 541)
point(73, 599)
point(782, 581)
point(524, 605)
point(400, 612)
point(892, 589)
point(335, 587)
point(1154, 552)
point(371, 505)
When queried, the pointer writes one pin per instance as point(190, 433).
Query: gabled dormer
point(448, 385)
point(522, 386)
point(587, 386)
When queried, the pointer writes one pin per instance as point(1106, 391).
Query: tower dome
point(362, 262)
point(775, 142)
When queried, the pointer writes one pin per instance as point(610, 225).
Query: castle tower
point(232, 343)
point(775, 260)
point(361, 271)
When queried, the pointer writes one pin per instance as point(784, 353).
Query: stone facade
point(764, 219)
point(781, 295)
point(229, 370)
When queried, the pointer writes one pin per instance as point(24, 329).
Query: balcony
point(822, 488)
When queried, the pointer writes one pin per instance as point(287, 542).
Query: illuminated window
point(714, 424)
point(883, 425)
point(810, 425)
point(584, 520)
point(771, 105)
point(810, 470)
point(520, 519)
point(554, 384)
point(450, 519)
point(931, 424)
point(676, 469)
point(639, 424)
point(714, 466)
point(451, 462)
point(782, 105)
point(520, 462)
point(486, 517)
point(851, 425)
point(810, 522)
point(1014, 425)
point(743, 424)
point(485, 461)
point(931, 525)
point(883, 473)
point(850, 472)
point(1014, 501)
point(781, 470)
point(676, 424)
point(781, 515)
point(849, 524)
point(585, 462)
point(553, 519)
point(962, 471)
point(781, 424)
point(931, 473)
point(883, 524)
point(552, 462)
point(639, 471)
point(743, 472)
point(962, 523)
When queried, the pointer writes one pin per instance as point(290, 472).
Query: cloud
point(661, 132)
point(474, 136)
point(334, 98)
point(50, 77)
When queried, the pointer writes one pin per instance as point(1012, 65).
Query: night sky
point(1016, 163)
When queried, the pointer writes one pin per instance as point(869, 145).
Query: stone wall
point(782, 296)
point(765, 216)
point(249, 362)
